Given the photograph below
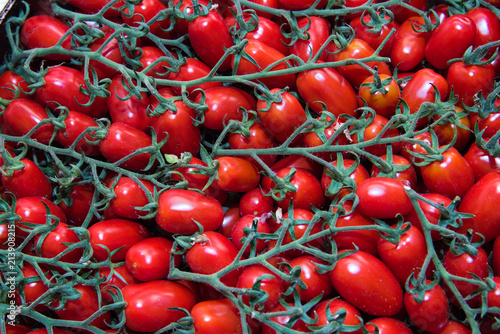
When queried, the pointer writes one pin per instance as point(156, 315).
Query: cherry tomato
point(408, 176)
point(316, 283)
point(11, 82)
point(236, 174)
point(481, 161)
point(129, 196)
point(219, 315)
point(402, 13)
point(487, 27)
point(352, 315)
point(358, 174)
point(93, 6)
point(150, 55)
point(144, 12)
point(30, 181)
point(238, 233)
point(454, 327)
point(119, 278)
point(383, 100)
point(192, 69)
point(33, 290)
point(387, 326)
point(468, 80)
point(33, 210)
point(318, 31)
point(274, 286)
point(44, 31)
point(375, 39)
point(54, 243)
point(283, 320)
point(255, 203)
point(75, 124)
point(408, 50)
point(373, 130)
point(459, 127)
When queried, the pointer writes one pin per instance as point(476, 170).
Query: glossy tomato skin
point(110, 51)
point(382, 198)
point(273, 286)
point(192, 69)
point(433, 313)
point(120, 278)
point(481, 161)
point(409, 46)
point(387, 325)
point(123, 140)
point(479, 201)
point(375, 39)
point(468, 80)
point(22, 115)
point(148, 304)
point(75, 124)
point(259, 138)
point(317, 283)
point(9, 82)
point(44, 31)
point(461, 128)
point(114, 234)
point(236, 174)
point(93, 6)
point(254, 202)
point(69, 80)
point(150, 54)
point(54, 244)
point(352, 315)
point(384, 103)
point(177, 208)
point(407, 176)
point(146, 11)
point(129, 195)
point(238, 232)
point(319, 31)
point(33, 210)
point(30, 181)
point(453, 327)
point(283, 320)
point(31, 291)
point(373, 130)
point(219, 315)
point(487, 27)
point(368, 284)
point(209, 36)
point(451, 177)
point(358, 174)
point(453, 37)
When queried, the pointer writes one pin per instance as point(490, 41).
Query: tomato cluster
point(250, 166)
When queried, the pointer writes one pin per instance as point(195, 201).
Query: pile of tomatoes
point(250, 166)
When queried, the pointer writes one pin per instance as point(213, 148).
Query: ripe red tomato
point(120, 278)
point(382, 198)
point(363, 31)
point(93, 6)
point(236, 174)
point(433, 313)
point(316, 283)
point(32, 290)
point(318, 31)
point(178, 209)
point(454, 327)
point(30, 181)
point(150, 54)
point(481, 161)
point(129, 197)
point(452, 37)
point(383, 100)
point(144, 12)
point(352, 315)
point(446, 131)
point(408, 50)
point(55, 242)
point(366, 282)
point(75, 124)
point(468, 80)
point(283, 320)
point(358, 174)
point(192, 69)
point(255, 203)
point(487, 27)
point(274, 287)
point(372, 131)
point(407, 176)
point(149, 305)
point(11, 82)
point(238, 232)
point(115, 234)
point(219, 315)
point(33, 210)
point(387, 326)
point(109, 48)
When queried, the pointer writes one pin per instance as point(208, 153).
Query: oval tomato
point(75, 124)
point(274, 286)
point(33, 210)
point(316, 283)
point(54, 243)
point(383, 99)
point(30, 181)
point(467, 80)
point(236, 174)
point(387, 326)
point(44, 31)
point(352, 315)
point(130, 196)
point(219, 315)
point(191, 69)
point(408, 50)
point(12, 84)
point(481, 161)
point(238, 233)
point(318, 31)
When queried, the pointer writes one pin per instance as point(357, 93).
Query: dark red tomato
point(119, 278)
point(124, 107)
point(433, 313)
point(402, 13)
point(149, 305)
point(328, 86)
point(299, 162)
point(44, 331)
point(452, 37)
point(383, 100)
point(219, 315)
point(192, 69)
point(33, 210)
point(209, 37)
point(368, 284)
point(266, 31)
point(274, 287)
point(352, 315)
point(480, 201)
point(281, 118)
point(238, 233)
point(495, 257)
point(487, 27)
point(145, 11)
point(44, 31)
point(275, 4)
point(264, 56)
point(316, 283)
point(57, 241)
point(211, 253)
point(70, 81)
point(465, 265)
point(366, 239)
point(409, 149)
point(431, 213)
point(231, 216)
point(186, 7)
point(313, 139)
point(10, 83)
point(93, 6)
point(149, 259)
point(405, 256)
point(77, 205)
point(283, 320)
point(129, 196)
point(481, 161)
point(308, 190)
point(301, 4)
point(82, 308)
point(236, 174)
point(31, 291)
point(75, 124)
point(493, 296)
point(114, 234)
point(255, 203)
point(22, 115)
point(28, 182)
point(490, 124)
point(421, 88)
point(358, 174)
point(151, 54)
point(357, 49)
point(468, 80)
point(352, 4)
point(460, 127)
point(387, 326)
point(382, 198)
point(450, 177)
point(372, 131)
point(318, 30)
point(123, 140)
point(21, 329)
point(183, 135)
point(259, 138)
point(109, 49)
point(408, 176)
point(408, 50)
point(179, 208)
point(453, 327)
point(224, 104)
point(375, 39)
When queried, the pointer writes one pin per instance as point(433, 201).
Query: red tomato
point(123, 140)
point(382, 198)
point(129, 196)
point(366, 282)
point(447, 130)
point(495, 257)
point(55, 242)
point(487, 27)
point(149, 259)
point(109, 48)
point(145, 11)
point(225, 103)
point(384, 98)
point(362, 30)
point(10, 84)
point(330, 87)
point(274, 287)
point(178, 209)
point(150, 54)
point(32, 290)
point(316, 283)
point(192, 69)
point(402, 13)
point(149, 305)
point(231, 216)
point(273, 4)
point(281, 117)
point(408, 176)
point(283, 320)
point(481, 161)
point(216, 315)
point(404, 257)
point(33, 210)
point(352, 315)
point(408, 50)
point(75, 124)
point(119, 278)
point(124, 107)
point(480, 201)
point(318, 32)
point(493, 296)
point(255, 203)
point(238, 233)
point(301, 4)
point(70, 81)
point(264, 55)
point(452, 37)
point(209, 37)
point(93, 6)
point(454, 327)
point(468, 80)
point(450, 177)
point(115, 234)
point(387, 326)
point(409, 149)
point(30, 181)
point(236, 174)
point(78, 203)
point(373, 130)
point(358, 174)
point(299, 162)
point(431, 314)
